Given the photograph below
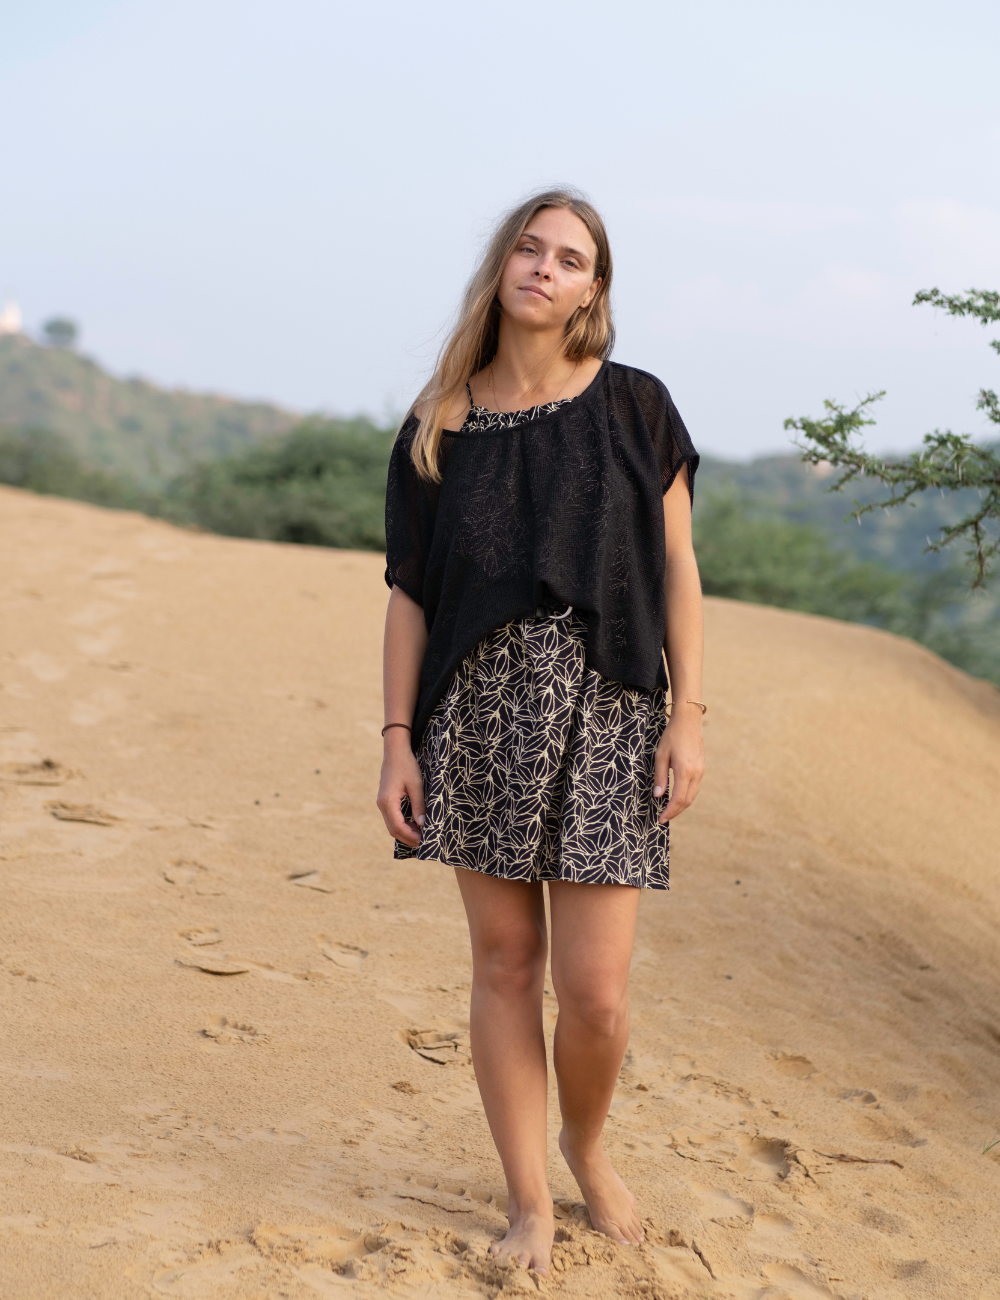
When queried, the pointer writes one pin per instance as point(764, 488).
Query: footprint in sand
point(418, 1187)
point(183, 872)
point(225, 1031)
point(269, 972)
point(719, 1206)
point(43, 666)
point(98, 646)
point(771, 1234)
point(345, 955)
point(444, 1044)
point(211, 1270)
point(796, 1067)
point(212, 965)
point(333, 1246)
point(81, 812)
point(707, 1083)
point(763, 1156)
point(99, 705)
point(312, 880)
point(94, 614)
point(45, 772)
point(859, 1096)
point(201, 938)
point(794, 1283)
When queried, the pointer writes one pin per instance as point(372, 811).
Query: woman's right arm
point(403, 655)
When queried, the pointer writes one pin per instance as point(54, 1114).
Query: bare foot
point(528, 1239)
point(611, 1205)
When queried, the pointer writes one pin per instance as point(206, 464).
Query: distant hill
point(126, 426)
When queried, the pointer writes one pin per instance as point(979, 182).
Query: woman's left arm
point(681, 748)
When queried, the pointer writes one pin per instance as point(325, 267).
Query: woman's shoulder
point(454, 417)
point(407, 430)
point(636, 380)
point(647, 397)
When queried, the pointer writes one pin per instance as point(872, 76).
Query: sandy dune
point(233, 1054)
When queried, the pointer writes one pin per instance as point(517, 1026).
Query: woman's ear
point(591, 293)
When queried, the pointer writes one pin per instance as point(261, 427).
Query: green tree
point(746, 553)
point(323, 484)
point(951, 462)
point(60, 332)
point(41, 461)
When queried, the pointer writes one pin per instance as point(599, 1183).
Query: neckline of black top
point(539, 419)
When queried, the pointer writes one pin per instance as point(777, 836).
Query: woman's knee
point(510, 961)
point(598, 1007)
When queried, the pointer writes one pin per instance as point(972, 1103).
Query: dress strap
point(468, 389)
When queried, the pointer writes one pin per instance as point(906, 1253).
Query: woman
point(538, 520)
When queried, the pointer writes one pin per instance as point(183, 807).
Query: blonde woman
point(538, 520)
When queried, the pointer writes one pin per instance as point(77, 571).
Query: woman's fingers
point(687, 781)
point(415, 789)
point(661, 770)
point(391, 808)
point(390, 805)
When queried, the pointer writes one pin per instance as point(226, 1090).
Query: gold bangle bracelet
point(703, 707)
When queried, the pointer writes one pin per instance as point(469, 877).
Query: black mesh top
point(563, 509)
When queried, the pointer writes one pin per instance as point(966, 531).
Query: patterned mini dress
point(534, 766)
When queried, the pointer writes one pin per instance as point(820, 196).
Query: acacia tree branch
point(947, 461)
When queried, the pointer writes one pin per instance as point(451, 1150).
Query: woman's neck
point(529, 369)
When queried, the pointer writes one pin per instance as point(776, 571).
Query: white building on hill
point(10, 318)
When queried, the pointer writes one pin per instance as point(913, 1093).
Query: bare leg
point(507, 928)
point(593, 928)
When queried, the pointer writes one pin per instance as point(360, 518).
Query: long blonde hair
point(472, 344)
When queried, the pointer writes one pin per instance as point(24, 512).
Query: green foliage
point(747, 555)
point(748, 551)
point(321, 485)
point(60, 332)
point(950, 462)
point(44, 462)
point(981, 304)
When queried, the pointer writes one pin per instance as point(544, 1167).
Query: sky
point(285, 200)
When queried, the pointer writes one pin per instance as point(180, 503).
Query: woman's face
point(551, 271)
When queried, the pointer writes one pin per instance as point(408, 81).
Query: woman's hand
point(400, 776)
point(682, 750)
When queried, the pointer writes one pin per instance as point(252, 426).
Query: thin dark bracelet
point(396, 724)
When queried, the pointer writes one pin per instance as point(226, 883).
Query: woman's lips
point(530, 288)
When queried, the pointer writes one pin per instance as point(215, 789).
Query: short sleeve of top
point(409, 518)
point(671, 441)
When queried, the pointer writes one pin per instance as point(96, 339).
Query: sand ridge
point(233, 1032)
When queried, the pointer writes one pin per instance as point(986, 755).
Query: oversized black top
point(564, 509)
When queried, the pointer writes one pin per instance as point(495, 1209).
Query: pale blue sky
point(284, 200)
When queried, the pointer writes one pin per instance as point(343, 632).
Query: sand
point(233, 1038)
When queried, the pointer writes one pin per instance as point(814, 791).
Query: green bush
point(770, 561)
point(323, 484)
point(747, 551)
point(44, 462)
